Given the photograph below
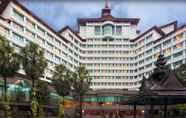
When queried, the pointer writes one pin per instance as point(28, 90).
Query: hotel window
point(17, 37)
point(41, 40)
point(168, 58)
point(178, 54)
point(57, 58)
point(108, 29)
point(118, 30)
point(149, 58)
point(149, 51)
point(49, 45)
point(18, 27)
point(178, 37)
point(167, 42)
point(149, 44)
point(178, 46)
point(167, 51)
point(50, 54)
point(157, 47)
point(97, 30)
point(30, 24)
point(4, 30)
point(50, 37)
point(42, 31)
point(30, 34)
point(149, 65)
point(58, 42)
point(18, 15)
point(148, 37)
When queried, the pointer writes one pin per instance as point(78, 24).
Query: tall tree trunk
point(33, 83)
point(80, 101)
point(5, 88)
point(63, 106)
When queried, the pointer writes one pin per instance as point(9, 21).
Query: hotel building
point(115, 53)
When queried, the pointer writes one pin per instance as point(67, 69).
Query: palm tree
point(9, 62)
point(34, 65)
point(62, 83)
point(33, 61)
point(43, 92)
point(81, 85)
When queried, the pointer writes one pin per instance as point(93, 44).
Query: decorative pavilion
point(163, 87)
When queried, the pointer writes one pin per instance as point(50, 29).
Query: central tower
point(106, 53)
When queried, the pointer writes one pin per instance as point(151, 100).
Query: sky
point(61, 13)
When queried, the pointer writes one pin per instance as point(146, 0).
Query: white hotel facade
point(115, 53)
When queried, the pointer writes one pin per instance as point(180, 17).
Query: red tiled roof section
point(5, 3)
point(149, 30)
point(170, 33)
point(172, 23)
point(106, 16)
point(83, 21)
point(75, 33)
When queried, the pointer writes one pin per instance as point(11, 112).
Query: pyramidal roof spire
point(106, 4)
point(106, 11)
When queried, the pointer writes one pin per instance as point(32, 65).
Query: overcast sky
point(60, 13)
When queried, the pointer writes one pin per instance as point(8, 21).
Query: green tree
point(181, 72)
point(62, 79)
point(81, 85)
point(33, 61)
point(9, 62)
point(34, 65)
point(43, 92)
point(9, 65)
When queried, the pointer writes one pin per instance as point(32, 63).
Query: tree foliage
point(81, 85)
point(33, 61)
point(43, 92)
point(81, 81)
point(181, 73)
point(62, 80)
point(9, 59)
point(34, 65)
point(9, 65)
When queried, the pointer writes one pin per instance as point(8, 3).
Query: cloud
point(61, 13)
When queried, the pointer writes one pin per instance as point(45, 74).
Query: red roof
point(149, 30)
point(172, 23)
point(75, 33)
point(83, 21)
point(106, 16)
point(170, 33)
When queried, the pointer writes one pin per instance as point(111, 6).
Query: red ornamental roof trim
point(149, 30)
point(83, 21)
point(171, 23)
point(75, 33)
point(179, 28)
point(5, 3)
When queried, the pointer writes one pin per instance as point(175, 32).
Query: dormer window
point(108, 29)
